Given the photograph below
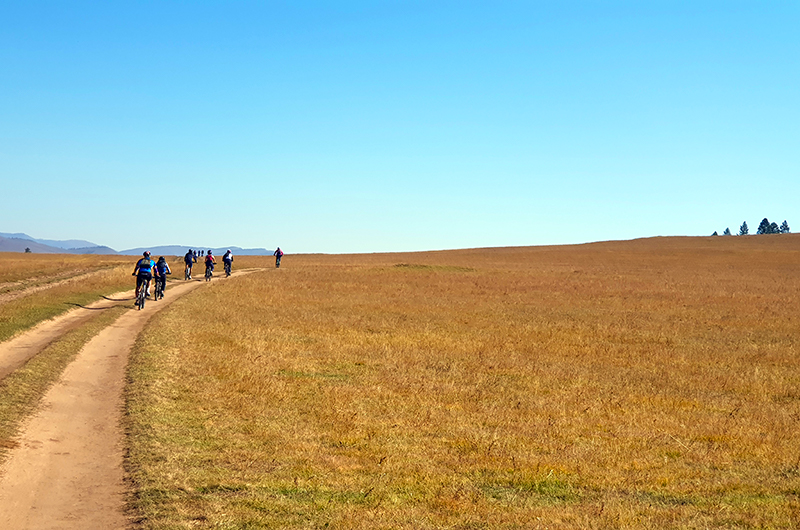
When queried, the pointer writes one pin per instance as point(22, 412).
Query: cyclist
point(227, 260)
point(161, 270)
point(278, 255)
point(144, 273)
point(189, 259)
point(210, 262)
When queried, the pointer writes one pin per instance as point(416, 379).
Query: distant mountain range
point(19, 242)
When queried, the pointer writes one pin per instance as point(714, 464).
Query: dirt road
point(16, 352)
point(67, 471)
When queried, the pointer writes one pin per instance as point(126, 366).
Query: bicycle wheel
point(142, 296)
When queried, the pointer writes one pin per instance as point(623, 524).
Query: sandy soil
point(67, 471)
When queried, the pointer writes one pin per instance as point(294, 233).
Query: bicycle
point(187, 275)
point(209, 272)
point(142, 296)
point(227, 268)
point(160, 281)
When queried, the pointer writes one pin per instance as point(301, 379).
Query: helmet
point(161, 258)
point(146, 254)
point(209, 251)
point(228, 250)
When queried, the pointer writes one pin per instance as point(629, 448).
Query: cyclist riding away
point(227, 261)
point(144, 273)
point(210, 262)
point(189, 259)
point(161, 270)
point(278, 255)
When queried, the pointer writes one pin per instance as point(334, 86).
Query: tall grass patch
point(645, 384)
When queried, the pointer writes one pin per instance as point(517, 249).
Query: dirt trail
point(16, 351)
point(67, 471)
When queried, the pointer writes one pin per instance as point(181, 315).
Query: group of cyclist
point(191, 258)
point(146, 269)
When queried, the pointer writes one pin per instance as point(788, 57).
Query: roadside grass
point(641, 384)
point(20, 267)
point(21, 391)
point(25, 312)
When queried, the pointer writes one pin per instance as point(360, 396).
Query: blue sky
point(396, 125)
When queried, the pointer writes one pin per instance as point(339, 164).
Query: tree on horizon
point(784, 227)
point(743, 230)
point(727, 232)
point(764, 227)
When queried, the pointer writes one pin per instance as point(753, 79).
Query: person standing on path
point(278, 255)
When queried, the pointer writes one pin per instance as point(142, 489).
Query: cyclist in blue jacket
point(189, 259)
point(227, 261)
point(161, 270)
point(144, 272)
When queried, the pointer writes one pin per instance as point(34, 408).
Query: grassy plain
point(35, 287)
point(20, 270)
point(643, 384)
point(40, 287)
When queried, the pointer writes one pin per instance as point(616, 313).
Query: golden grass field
point(35, 287)
point(642, 384)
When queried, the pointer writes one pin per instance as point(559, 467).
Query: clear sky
point(396, 125)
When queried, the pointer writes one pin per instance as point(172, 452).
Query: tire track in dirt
point(67, 472)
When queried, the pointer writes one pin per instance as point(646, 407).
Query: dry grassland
point(19, 268)
point(643, 384)
point(36, 287)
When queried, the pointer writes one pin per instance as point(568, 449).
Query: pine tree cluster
point(765, 227)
